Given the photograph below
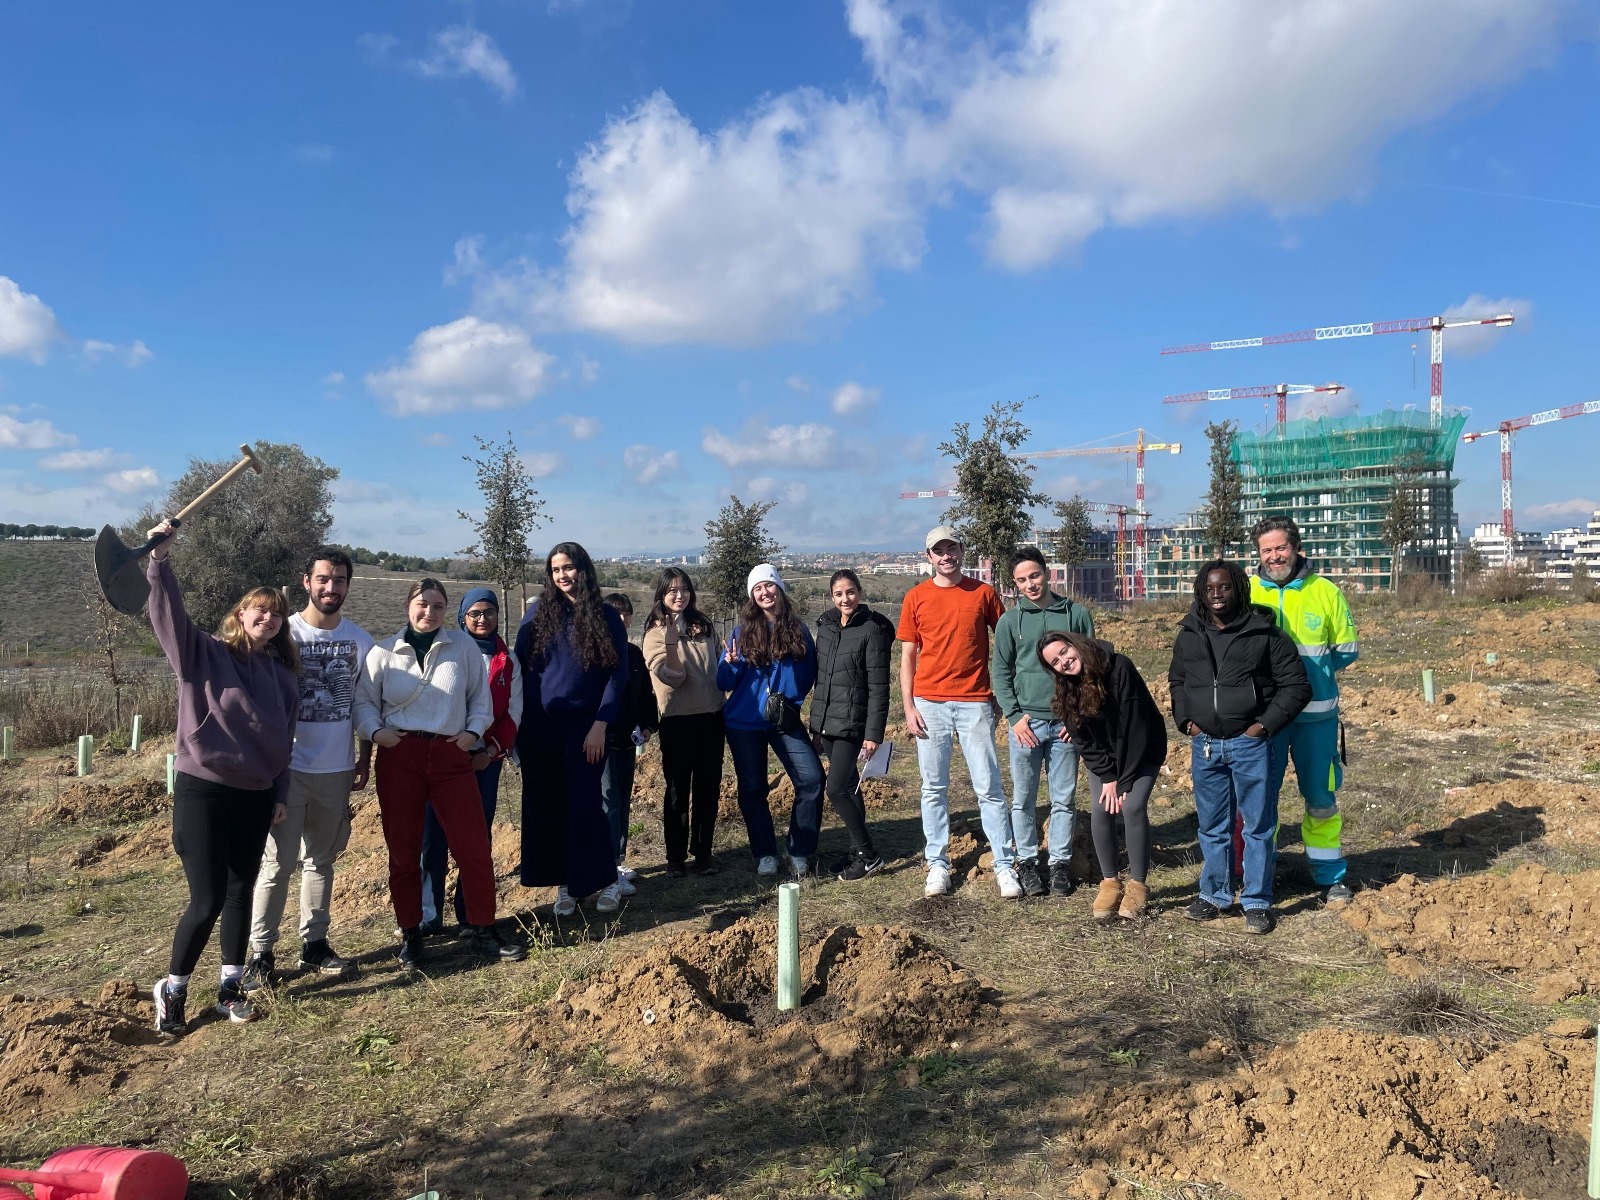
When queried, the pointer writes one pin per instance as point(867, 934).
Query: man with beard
point(323, 771)
point(1313, 612)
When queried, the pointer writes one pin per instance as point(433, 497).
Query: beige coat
point(691, 686)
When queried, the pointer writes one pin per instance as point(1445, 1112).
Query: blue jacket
point(747, 684)
point(557, 682)
point(1313, 612)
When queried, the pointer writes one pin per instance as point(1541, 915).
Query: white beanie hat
point(764, 573)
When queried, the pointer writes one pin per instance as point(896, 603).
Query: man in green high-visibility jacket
point(1313, 612)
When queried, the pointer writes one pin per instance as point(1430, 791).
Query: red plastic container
point(102, 1173)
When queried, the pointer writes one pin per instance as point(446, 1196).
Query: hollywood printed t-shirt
point(952, 625)
point(330, 660)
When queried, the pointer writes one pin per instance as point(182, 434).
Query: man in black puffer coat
point(1236, 680)
point(850, 707)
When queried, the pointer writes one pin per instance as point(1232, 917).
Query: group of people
point(283, 715)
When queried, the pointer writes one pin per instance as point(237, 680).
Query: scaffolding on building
point(1336, 477)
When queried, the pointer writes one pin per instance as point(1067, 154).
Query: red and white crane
point(1434, 325)
point(1505, 429)
point(1281, 390)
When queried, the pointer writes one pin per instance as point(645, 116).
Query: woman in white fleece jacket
point(424, 702)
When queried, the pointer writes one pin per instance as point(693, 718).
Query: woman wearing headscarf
point(573, 651)
point(479, 618)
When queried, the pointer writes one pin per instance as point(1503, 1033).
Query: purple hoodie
point(236, 715)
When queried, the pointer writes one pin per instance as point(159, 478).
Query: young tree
point(995, 490)
point(1073, 534)
point(1582, 582)
point(109, 633)
point(736, 540)
point(1403, 519)
point(511, 512)
point(1223, 515)
point(255, 533)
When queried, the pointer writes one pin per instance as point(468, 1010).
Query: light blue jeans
point(973, 722)
point(1060, 761)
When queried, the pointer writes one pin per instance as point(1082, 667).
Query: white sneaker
point(938, 881)
point(627, 873)
point(1010, 885)
point(624, 885)
point(565, 904)
point(609, 900)
point(799, 865)
point(767, 866)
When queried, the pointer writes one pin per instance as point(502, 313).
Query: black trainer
point(1061, 880)
point(677, 870)
point(706, 866)
point(1201, 909)
point(411, 950)
point(258, 971)
point(1259, 920)
point(841, 865)
point(860, 865)
point(235, 1005)
point(1028, 877)
point(318, 956)
point(169, 1008)
point(489, 942)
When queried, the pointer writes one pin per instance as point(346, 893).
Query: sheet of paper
point(877, 766)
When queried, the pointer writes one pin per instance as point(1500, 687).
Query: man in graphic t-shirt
point(323, 771)
point(944, 685)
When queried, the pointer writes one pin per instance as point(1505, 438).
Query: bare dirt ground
point(1434, 1039)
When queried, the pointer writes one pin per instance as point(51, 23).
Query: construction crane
point(1505, 429)
point(1120, 511)
point(1281, 390)
point(1434, 325)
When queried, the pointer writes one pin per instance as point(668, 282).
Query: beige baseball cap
point(940, 533)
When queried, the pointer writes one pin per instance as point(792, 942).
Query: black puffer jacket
point(851, 696)
point(1127, 738)
point(1259, 678)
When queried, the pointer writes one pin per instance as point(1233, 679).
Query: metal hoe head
point(122, 580)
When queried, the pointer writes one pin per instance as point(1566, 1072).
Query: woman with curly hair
point(767, 671)
point(573, 650)
point(1122, 738)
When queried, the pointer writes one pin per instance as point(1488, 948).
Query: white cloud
point(851, 397)
point(462, 50)
point(315, 154)
point(1478, 339)
point(649, 465)
point(27, 324)
point(588, 369)
point(798, 383)
point(792, 446)
point(542, 462)
point(81, 460)
point(582, 429)
point(1577, 507)
point(792, 492)
point(435, 439)
point(31, 435)
point(134, 354)
point(134, 480)
point(1314, 404)
point(469, 363)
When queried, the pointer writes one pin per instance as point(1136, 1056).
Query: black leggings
point(219, 833)
point(844, 789)
point(1135, 827)
point(691, 759)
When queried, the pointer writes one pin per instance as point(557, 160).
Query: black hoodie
point(1127, 738)
point(1258, 677)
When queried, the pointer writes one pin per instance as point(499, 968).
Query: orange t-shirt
point(951, 625)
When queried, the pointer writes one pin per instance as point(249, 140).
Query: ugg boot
point(1107, 899)
point(1134, 901)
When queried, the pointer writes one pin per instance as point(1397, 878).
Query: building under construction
point(1336, 476)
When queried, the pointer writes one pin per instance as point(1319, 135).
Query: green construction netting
point(1317, 444)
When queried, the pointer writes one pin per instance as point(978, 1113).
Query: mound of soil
point(704, 1006)
point(1360, 1117)
point(55, 1055)
point(1533, 922)
point(119, 803)
point(1460, 706)
point(1515, 811)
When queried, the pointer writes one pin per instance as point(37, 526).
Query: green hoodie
point(1022, 684)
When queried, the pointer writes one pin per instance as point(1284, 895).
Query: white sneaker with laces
point(624, 885)
point(767, 866)
point(799, 865)
point(938, 881)
point(565, 904)
point(609, 900)
point(627, 873)
point(1010, 886)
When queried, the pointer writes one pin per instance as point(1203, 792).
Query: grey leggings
point(1135, 827)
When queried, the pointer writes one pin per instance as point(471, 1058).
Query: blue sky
point(683, 250)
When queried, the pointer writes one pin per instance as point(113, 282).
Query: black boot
point(411, 950)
